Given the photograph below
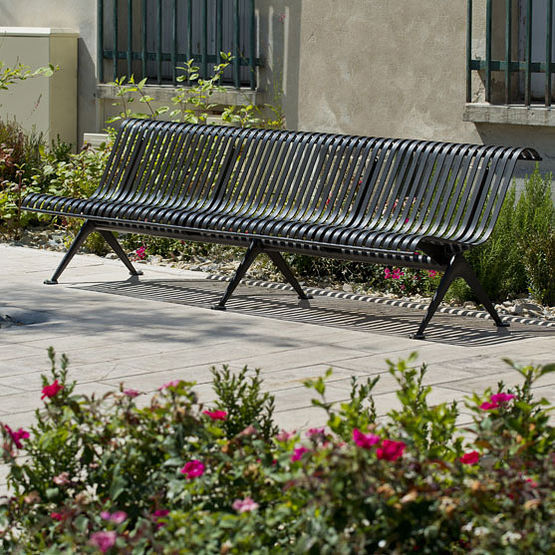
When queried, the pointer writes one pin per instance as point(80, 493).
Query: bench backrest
point(420, 188)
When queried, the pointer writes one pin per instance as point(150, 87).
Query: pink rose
point(117, 518)
point(193, 469)
point(298, 453)
point(390, 450)
point(245, 505)
point(470, 458)
point(103, 540)
point(364, 440)
point(51, 390)
point(216, 415)
point(17, 435)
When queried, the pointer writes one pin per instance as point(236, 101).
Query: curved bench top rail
point(391, 194)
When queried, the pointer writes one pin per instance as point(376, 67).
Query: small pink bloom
point(285, 436)
point(486, 405)
point(158, 515)
point(131, 393)
point(216, 415)
point(470, 458)
point(57, 516)
point(140, 253)
point(17, 435)
point(316, 432)
point(390, 450)
point(103, 540)
point(173, 383)
point(248, 431)
point(298, 453)
point(245, 505)
point(432, 273)
point(500, 398)
point(532, 483)
point(364, 440)
point(62, 479)
point(117, 518)
point(193, 469)
point(51, 390)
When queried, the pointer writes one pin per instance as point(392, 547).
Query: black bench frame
point(395, 202)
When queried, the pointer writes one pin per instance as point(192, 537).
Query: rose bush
point(109, 475)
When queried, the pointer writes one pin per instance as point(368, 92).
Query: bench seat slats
point(399, 201)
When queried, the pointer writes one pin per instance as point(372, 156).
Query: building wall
point(78, 15)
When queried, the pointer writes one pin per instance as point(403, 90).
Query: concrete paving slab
point(148, 331)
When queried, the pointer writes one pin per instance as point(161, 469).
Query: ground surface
point(157, 328)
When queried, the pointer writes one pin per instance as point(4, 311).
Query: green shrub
point(171, 476)
point(519, 256)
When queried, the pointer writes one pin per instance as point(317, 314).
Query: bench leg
point(282, 266)
point(86, 229)
point(110, 238)
point(458, 267)
point(252, 252)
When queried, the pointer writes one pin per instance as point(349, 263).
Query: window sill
point(164, 93)
point(509, 115)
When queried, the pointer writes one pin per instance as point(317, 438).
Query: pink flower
point(51, 390)
point(216, 415)
point(245, 505)
point(432, 273)
point(298, 453)
point(62, 479)
point(364, 440)
point(140, 253)
point(500, 398)
point(17, 435)
point(285, 436)
point(117, 518)
point(173, 383)
point(193, 469)
point(390, 450)
point(470, 458)
point(316, 432)
point(103, 540)
point(57, 516)
point(158, 515)
point(532, 483)
point(486, 405)
point(131, 393)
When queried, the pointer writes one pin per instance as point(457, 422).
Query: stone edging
point(480, 314)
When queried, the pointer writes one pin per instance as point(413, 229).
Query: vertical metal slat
point(100, 41)
point(488, 50)
point(468, 50)
point(174, 41)
point(219, 30)
point(528, 75)
point(508, 44)
point(143, 40)
point(236, 51)
point(252, 45)
point(115, 50)
point(159, 45)
point(129, 38)
point(204, 38)
point(189, 30)
point(548, 52)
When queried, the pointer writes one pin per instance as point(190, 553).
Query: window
point(153, 38)
point(515, 62)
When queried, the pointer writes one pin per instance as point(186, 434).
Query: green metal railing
point(527, 63)
point(153, 38)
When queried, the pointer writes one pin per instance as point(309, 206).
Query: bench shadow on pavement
point(323, 311)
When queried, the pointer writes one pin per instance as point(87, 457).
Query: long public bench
point(397, 202)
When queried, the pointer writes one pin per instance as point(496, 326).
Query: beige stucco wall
point(78, 15)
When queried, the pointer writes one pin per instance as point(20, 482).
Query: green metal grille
point(153, 38)
point(533, 58)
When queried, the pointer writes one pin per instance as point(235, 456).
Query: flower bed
point(169, 475)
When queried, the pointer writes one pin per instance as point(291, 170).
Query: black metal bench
point(389, 201)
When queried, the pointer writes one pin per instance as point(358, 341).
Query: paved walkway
point(146, 332)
